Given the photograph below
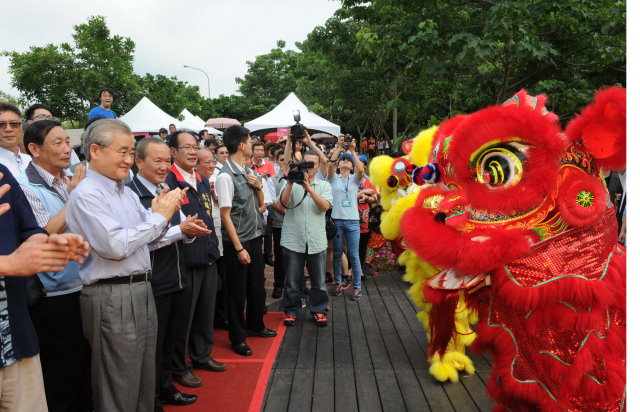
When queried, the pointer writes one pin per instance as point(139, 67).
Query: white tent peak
point(282, 116)
point(145, 116)
point(195, 123)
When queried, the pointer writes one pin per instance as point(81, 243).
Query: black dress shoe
point(211, 366)
point(277, 292)
point(189, 380)
point(179, 399)
point(264, 333)
point(242, 349)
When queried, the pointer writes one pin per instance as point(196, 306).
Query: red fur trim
point(540, 166)
point(602, 126)
point(574, 213)
point(441, 318)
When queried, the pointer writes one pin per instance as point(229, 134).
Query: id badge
point(346, 203)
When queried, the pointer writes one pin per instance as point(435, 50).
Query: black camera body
point(297, 130)
point(348, 138)
point(297, 171)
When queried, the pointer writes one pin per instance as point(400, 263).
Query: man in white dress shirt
point(10, 137)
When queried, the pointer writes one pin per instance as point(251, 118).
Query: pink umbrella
point(221, 122)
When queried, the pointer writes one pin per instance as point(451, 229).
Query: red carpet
point(241, 387)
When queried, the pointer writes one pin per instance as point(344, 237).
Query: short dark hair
point(280, 152)
point(233, 136)
point(8, 107)
point(173, 137)
point(141, 147)
point(106, 90)
point(163, 130)
point(218, 147)
point(28, 115)
point(202, 132)
point(210, 142)
point(171, 124)
point(256, 144)
point(36, 132)
point(312, 152)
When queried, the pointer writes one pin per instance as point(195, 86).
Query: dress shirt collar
point(188, 176)
point(48, 177)
point(233, 165)
point(150, 186)
point(105, 182)
point(260, 164)
point(14, 161)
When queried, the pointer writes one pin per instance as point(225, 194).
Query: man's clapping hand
point(42, 253)
point(167, 203)
point(194, 227)
point(4, 189)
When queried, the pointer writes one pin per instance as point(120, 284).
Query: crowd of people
point(141, 248)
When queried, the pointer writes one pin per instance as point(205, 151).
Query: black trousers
point(65, 354)
point(167, 312)
point(245, 283)
point(278, 269)
point(268, 242)
point(221, 298)
point(196, 307)
point(362, 247)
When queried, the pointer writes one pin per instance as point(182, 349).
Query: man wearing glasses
point(197, 303)
point(10, 137)
point(116, 301)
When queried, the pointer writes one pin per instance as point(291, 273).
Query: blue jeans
point(349, 230)
point(294, 263)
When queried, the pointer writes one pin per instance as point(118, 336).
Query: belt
point(121, 280)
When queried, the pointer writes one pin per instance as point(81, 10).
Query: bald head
point(206, 164)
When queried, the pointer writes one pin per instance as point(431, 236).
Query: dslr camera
point(348, 138)
point(297, 130)
point(297, 171)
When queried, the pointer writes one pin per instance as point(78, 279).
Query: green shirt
point(304, 226)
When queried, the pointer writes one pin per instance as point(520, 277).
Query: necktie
point(159, 188)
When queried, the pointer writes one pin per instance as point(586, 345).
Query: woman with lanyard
point(344, 184)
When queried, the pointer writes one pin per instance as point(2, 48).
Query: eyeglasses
point(189, 148)
point(44, 117)
point(13, 125)
point(122, 152)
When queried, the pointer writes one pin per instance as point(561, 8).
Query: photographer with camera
point(344, 161)
point(303, 240)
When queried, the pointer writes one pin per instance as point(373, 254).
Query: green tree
point(68, 77)
point(170, 94)
point(6, 97)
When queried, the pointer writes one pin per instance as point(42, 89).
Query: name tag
point(346, 203)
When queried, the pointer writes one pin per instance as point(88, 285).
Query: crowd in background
point(179, 230)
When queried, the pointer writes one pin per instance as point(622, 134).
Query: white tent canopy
point(147, 117)
point(195, 123)
point(282, 116)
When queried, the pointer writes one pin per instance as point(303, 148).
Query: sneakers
point(289, 319)
point(328, 278)
point(346, 282)
point(357, 294)
point(320, 319)
point(337, 290)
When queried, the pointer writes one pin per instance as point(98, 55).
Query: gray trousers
point(120, 324)
point(196, 306)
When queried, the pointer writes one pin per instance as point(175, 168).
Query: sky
point(217, 36)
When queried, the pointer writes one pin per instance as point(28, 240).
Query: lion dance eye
point(500, 167)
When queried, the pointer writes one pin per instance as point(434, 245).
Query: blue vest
point(68, 279)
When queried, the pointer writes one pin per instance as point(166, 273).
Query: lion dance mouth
point(511, 247)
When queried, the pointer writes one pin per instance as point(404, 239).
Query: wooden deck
point(370, 358)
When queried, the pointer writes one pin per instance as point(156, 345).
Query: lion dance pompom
point(507, 221)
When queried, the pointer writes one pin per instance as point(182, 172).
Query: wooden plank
point(377, 348)
point(459, 397)
point(367, 391)
point(307, 351)
point(433, 391)
point(288, 356)
point(324, 345)
point(278, 397)
point(359, 346)
point(411, 345)
point(477, 390)
point(301, 390)
point(341, 343)
point(412, 394)
point(323, 390)
point(390, 395)
point(345, 390)
point(399, 359)
point(483, 367)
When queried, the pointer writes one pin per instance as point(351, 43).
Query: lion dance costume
point(504, 197)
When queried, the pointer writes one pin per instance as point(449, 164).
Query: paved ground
point(371, 357)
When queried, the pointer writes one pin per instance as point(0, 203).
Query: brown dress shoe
point(189, 380)
point(211, 366)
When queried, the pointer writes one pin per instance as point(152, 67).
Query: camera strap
point(299, 203)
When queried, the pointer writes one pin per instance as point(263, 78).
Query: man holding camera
point(304, 239)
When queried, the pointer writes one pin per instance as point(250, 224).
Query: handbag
point(375, 217)
point(34, 290)
point(330, 225)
